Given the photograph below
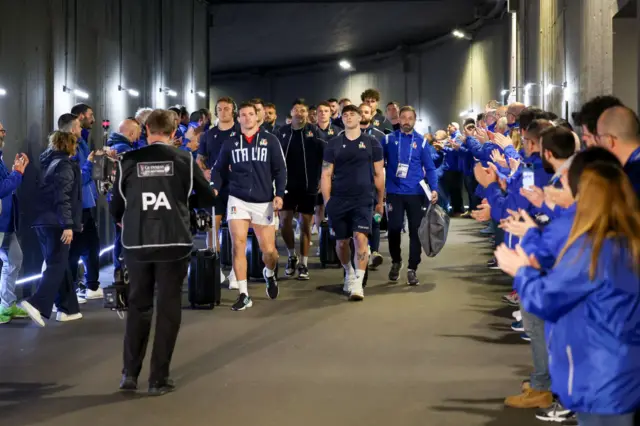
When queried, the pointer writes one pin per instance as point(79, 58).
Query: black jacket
point(156, 188)
point(59, 192)
point(381, 123)
point(312, 150)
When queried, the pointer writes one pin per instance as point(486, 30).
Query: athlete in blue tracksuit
point(409, 161)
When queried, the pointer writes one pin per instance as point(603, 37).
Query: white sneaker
point(222, 277)
point(517, 315)
point(62, 317)
point(81, 300)
point(356, 294)
point(314, 230)
point(33, 313)
point(94, 294)
point(54, 309)
point(349, 282)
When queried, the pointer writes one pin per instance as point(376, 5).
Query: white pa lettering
point(157, 201)
point(241, 155)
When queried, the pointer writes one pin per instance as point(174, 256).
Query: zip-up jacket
point(632, 169)
point(9, 183)
point(211, 143)
point(59, 192)
point(120, 143)
point(593, 326)
point(156, 187)
point(89, 190)
point(373, 131)
point(251, 168)
point(329, 133)
point(271, 128)
point(381, 123)
point(303, 173)
point(415, 151)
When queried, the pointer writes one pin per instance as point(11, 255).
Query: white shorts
point(257, 213)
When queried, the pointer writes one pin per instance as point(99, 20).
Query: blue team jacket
point(593, 326)
point(418, 150)
point(89, 190)
point(9, 183)
point(251, 169)
point(632, 169)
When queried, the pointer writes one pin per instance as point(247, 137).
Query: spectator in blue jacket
point(452, 180)
point(58, 220)
point(10, 251)
point(122, 141)
point(141, 117)
point(409, 161)
point(591, 299)
point(86, 244)
point(619, 132)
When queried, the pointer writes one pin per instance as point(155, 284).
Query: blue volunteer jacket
point(546, 243)
point(251, 169)
point(120, 143)
point(632, 169)
point(452, 156)
point(89, 190)
point(9, 183)
point(415, 150)
point(593, 326)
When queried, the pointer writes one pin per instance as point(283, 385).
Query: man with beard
point(270, 117)
point(10, 251)
point(313, 115)
point(86, 244)
point(366, 125)
point(372, 97)
point(336, 119)
point(393, 115)
point(303, 151)
point(259, 104)
point(409, 162)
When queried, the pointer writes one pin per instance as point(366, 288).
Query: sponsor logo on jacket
point(155, 169)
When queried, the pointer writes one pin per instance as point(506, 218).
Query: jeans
point(55, 285)
point(397, 206)
point(86, 245)
point(534, 327)
point(11, 256)
point(631, 419)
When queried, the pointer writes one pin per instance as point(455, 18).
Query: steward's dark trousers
point(86, 245)
point(55, 285)
point(143, 279)
point(397, 206)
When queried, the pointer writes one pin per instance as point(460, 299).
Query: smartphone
point(528, 179)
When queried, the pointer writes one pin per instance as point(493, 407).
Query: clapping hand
point(518, 223)
point(511, 260)
point(20, 163)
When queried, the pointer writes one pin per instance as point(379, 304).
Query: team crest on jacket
point(232, 134)
point(361, 145)
point(376, 123)
point(310, 134)
point(263, 142)
point(415, 145)
point(330, 132)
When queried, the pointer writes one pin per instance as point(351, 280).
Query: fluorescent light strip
point(37, 277)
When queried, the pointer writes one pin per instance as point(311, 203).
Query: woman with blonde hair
point(59, 216)
point(591, 301)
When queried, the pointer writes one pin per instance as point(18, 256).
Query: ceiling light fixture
point(2, 92)
point(201, 94)
point(168, 92)
point(345, 65)
point(77, 92)
point(132, 92)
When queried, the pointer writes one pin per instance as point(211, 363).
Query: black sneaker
point(272, 285)
point(558, 414)
point(161, 388)
point(303, 272)
point(290, 270)
point(394, 273)
point(376, 260)
point(129, 384)
point(412, 278)
point(242, 303)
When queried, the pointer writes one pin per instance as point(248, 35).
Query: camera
point(104, 172)
point(116, 296)
point(201, 221)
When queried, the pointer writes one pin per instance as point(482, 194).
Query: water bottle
point(377, 217)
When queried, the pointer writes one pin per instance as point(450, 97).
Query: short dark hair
point(249, 104)
point(480, 116)
point(561, 122)
point(393, 103)
point(370, 94)
point(80, 109)
point(468, 121)
point(559, 141)
point(255, 101)
point(528, 115)
point(195, 116)
point(324, 104)
point(332, 100)
point(351, 108)
point(65, 120)
point(591, 155)
point(226, 100)
point(549, 115)
point(161, 122)
point(270, 105)
point(410, 109)
point(537, 126)
point(313, 108)
point(592, 110)
point(289, 116)
point(299, 101)
point(175, 109)
point(344, 100)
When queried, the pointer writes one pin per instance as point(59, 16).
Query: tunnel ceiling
point(250, 35)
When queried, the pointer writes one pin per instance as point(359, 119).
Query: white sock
point(304, 260)
point(269, 272)
point(232, 275)
point(292, 252)
point(222, 277)
point(242, 287)
point(360, 276)
point(349, 269)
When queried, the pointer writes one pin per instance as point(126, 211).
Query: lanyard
point(400, 147)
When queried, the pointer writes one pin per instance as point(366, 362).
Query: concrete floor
point(438, 354)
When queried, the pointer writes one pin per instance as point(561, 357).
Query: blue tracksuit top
point(9, 183)
point(89, 190)
point(591, 326)
point(414, 150)
point(632, 169)
point(251, 168)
